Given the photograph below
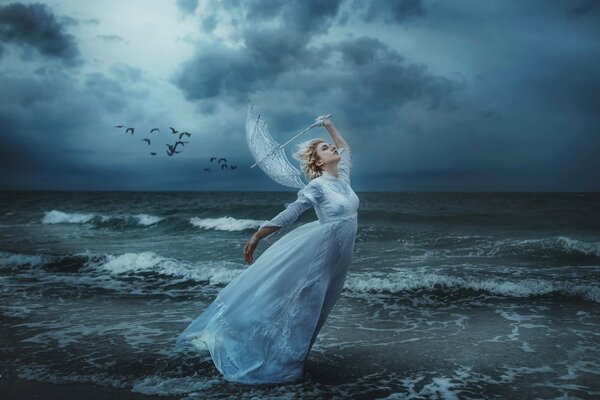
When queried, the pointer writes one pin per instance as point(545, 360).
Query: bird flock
point(172, 148)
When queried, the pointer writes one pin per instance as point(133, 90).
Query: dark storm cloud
point(54, 130)
point(187, 6)
point(35, 26)
point(578, 8)
point(269, 51)
point(280, 55)
point(389, 11)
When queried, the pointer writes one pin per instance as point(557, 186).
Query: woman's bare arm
point(339, 141)
point(253, 241)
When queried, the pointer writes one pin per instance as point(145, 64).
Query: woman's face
point(327, 154)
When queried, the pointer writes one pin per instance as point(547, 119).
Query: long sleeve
point(308, 196)
point(345, 163)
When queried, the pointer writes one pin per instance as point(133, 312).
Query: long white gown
point(262, 325)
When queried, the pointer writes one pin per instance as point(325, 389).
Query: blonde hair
point(307, 155)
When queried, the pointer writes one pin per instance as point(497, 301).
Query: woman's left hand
point(249, 248)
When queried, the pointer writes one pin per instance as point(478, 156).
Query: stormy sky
point(431, 95)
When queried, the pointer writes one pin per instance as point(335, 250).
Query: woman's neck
point(331, 168)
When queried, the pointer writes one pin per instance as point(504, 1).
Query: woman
point(262, 325)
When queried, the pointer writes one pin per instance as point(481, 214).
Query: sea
point(449, 295)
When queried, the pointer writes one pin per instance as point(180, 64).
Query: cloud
point(111, 38)
point(35, 26)
point(394, 11)
point(579, 8)
point(187, 6)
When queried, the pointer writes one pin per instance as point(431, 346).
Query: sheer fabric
point(263, 324)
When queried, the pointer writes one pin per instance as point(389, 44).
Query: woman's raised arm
point(339, 141)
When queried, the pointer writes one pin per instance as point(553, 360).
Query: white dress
point(262, 325)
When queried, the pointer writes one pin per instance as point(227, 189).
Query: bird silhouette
point(184, 133)
point(207, 169)
point(221, 159)
point(233, 167)
point(146, 140)
point(119, 126)
point(154, 129)
point(153, 153)
point(173, 130)
point(223, 166)
point(180, 142)
point(172, 150)
point(130, 129)
point(213, 159)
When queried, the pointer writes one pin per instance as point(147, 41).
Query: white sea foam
point(406, 281)
point(59, 217)
point(219, 272)
point(145, 219)
point(225, 223)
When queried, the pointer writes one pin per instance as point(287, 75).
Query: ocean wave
point(400, 282)
point(15, 260)
point(574, 246)
point(215, 273)
point(60, 217)
point(557, 248)
point(225, 223)
point(145, 219)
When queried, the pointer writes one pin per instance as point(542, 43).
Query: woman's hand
point(250, 247)
point(321, 120)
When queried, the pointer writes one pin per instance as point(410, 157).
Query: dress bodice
point(338, 200)
point(332, 197)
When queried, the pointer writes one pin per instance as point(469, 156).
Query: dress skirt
point(262, 325)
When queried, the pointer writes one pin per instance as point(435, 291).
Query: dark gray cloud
point(35, 26)
point(472, 96)
point(187, 6)
point(389, 11)
point(578, 8)
point(269, 49)
point(280, 54)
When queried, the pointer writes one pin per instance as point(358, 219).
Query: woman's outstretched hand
point(249, 248)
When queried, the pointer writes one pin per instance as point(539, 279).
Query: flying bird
point(221, 159)
point(154, 129)
point(184, 133)
point(130, 129)
point(213, 159)
point(233, 167)
point(223, 166)
point(207, 169)
point(153, 153)
point(119, 126)
point(146, 140)
point(172, 150)
point(173, 130)
point(180, 142)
